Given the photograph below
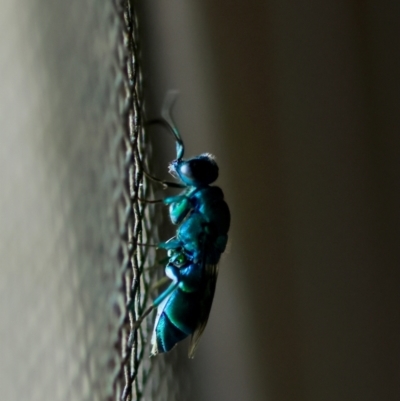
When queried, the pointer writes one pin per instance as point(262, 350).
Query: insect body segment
point(203, 220)
point(200, 210)
point(176, 317)
point(185, 310)
point(202, 217)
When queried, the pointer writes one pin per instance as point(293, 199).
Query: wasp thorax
point(198, 171)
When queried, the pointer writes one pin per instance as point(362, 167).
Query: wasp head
point(198, 171)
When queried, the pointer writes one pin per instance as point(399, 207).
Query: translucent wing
point(211, 273)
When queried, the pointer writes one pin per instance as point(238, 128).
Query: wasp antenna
point(169, 101)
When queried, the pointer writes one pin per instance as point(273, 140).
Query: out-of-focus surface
point(58, 233)
point(300, 103)
point(72, 150)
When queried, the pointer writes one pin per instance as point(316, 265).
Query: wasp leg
point(168, 200)
point(173, 286)
point(164, 183)
point(146, 313)
point(174, 199)
point(150, 200)
point(159, 263)
point(164, 280)
point(156, 302)
point(172, 243)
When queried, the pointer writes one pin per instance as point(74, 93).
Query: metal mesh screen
point(73, 147)
point(136, 225)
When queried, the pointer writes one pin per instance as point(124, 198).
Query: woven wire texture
point(136, 222)
point(72, 226)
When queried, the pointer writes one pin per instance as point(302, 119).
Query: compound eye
point(186, 169)
point(201, 170)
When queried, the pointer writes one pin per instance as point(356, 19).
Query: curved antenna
point(169, 101)
point(167, 121)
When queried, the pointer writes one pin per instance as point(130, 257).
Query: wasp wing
point(211, 275)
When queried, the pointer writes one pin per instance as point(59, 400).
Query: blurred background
point(299, 101)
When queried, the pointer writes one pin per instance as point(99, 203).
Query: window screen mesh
point(73, 148)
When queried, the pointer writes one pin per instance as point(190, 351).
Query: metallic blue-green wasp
point(203, 221)
point(183, 308)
